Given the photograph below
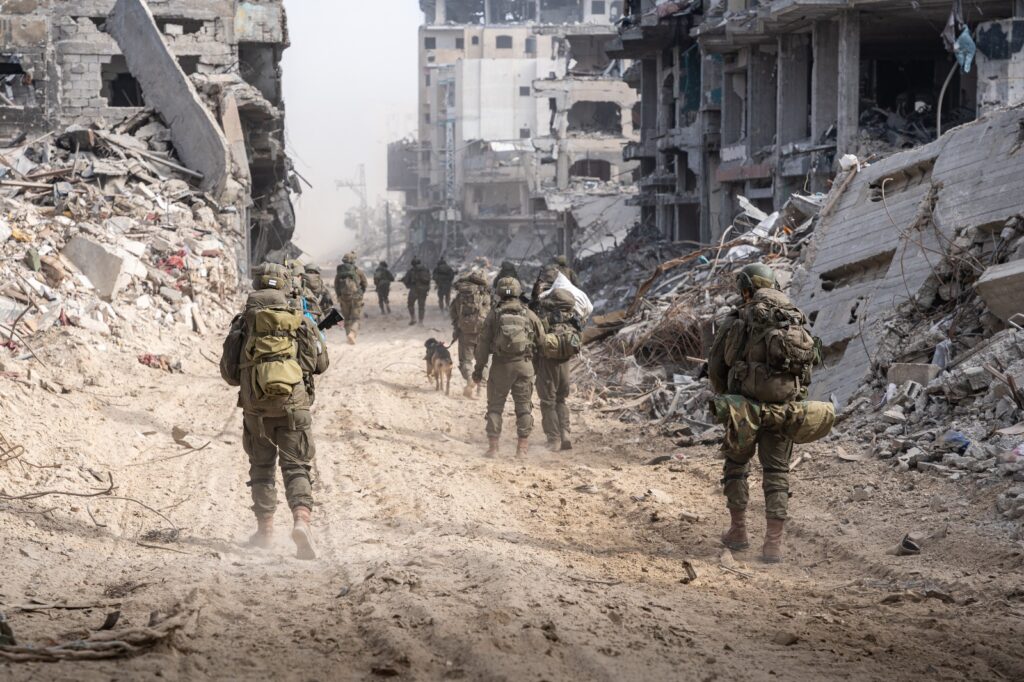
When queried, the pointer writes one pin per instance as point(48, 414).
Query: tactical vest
point(562, 340)
point(346, 282)
point(514, 334)
point(770, 353)
point(420, 277)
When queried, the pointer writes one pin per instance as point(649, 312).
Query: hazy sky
point(350, 87)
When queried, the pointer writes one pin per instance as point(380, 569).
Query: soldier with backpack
point(510, 336)
point(350, 284)
point(272, 352)
point(561, 343)
point(317, 295)
point(382, 279)
point(443, 278)
point(760, 363)
point(417, 280)
point(468, 311)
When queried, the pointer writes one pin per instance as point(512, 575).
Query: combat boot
point(554, 444)
point(412, 319)
point(736, 537)
point(492, 447)
point(566, 444)
point(771, 553)
point(302, 534)
point(523, 447)
point(351, 336)
point(264, 535)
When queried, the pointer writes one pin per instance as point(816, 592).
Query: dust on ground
point(437, 563)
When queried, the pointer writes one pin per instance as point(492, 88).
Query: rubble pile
point(102, 229)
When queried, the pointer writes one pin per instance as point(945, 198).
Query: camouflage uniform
point(474, 285)
point(553, 377)
point(350, 303)
point(417, 280)
point(318, 297)
point(382, 279)
point(443, 278)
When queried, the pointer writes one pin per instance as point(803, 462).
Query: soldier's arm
point(482, 352)
point(363, 282)
point(718, 371)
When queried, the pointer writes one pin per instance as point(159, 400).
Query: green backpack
point(562, 343)
point(514, 335)
point(346, 282)
point(272, 352)
point(470, 309)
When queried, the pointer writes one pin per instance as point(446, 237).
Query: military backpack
point(346, 282)
point(563, 340)
point(471, 314)
point(513, 338)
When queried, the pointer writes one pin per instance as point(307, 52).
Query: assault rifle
point(333, 319)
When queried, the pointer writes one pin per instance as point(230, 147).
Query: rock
point(901, 372)
point(785, 639)
point(91, 324)
point(171, 294)
point(101, 265)
point(32, 260)
point(658, 496)
point(894, 416)
point(1000, 286)
point(977, 378)
point(144, 302)
point(5, 231)
point(137, 249)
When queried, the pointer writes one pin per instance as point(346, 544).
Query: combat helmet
point(312, 268)
point(271, 276)
point(476, 276)
point(562, 260)
point(756, 276)
point(349, 258)
point(508, 287)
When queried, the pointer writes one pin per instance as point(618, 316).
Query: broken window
point(524, 91)
point(120, 88)
point(430, 43)
point(503, 42)
point(560, 12)
point(524, 133)
point(531, 46)
point(460, 43)
point(179, 26)
point(591, 168)
point(597, 7)
point(589, 55)
point(595, 117)
point(258, 65)
point(189, 64)
point(17, 87)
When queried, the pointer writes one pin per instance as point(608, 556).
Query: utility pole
point(358, 186)
point(387, 215)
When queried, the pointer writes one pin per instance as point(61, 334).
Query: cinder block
point(1002, 289)
point(922, 373)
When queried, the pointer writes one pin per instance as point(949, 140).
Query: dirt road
point(440, 564)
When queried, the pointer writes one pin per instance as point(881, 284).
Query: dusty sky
point(349, 88)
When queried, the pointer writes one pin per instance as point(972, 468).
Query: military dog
point(439, 365)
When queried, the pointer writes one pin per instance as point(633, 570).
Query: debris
point(785, 639)
point(161, 362)
point(906, 547)
point(691, 573)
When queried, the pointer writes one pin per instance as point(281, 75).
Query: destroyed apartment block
point(522, 115)
point(761, 100)
point(61, 65)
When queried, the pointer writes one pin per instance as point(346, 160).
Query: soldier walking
point(382, 279)
point(510, 336)
point(272, 352)
point(741, 365)
point(350, 285)
point(417, 280)
point(562, 342)
point(468, 311)
point(318, 296)
point(443, 278)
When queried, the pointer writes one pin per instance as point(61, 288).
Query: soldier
point(272, 353)
point(739, 365)
point(468, 312)
point(417, 279)
point(511, 334)
point(562, 330)
point(350, 284)
point(562, 263)
point(443, 278)
point(318, 296)
point(382, 279)
point(508, 269)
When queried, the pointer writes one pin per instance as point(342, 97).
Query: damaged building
point(61, 64)
point(760, 99)
point(522, 119)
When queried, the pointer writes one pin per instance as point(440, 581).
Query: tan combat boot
point(492, 447)
point(523, 447)
point(771, 553)
point(351, 336)
point(302, 535)
point(264, 535)
point(554, 444)
point(736, 537)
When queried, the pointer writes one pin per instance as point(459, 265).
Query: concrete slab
point(103, 267)
point(194, 131)
point(921, 373)
point(1001, 286)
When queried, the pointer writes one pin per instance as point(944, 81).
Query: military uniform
point(738, 365)
point(382, 279)
point(468, 311)
point(417, 280)
point(508, 269)
point(277, 424)
point(350, 285)
point(318, 297)
point(443, 278)
point(511, 372)
point(553, 377)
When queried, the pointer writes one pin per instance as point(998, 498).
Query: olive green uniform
point(443, 278)
point(382, 279)
point(553, 378)
point(513, 375)
point(464, 330)
point(279, 435)
point(417, 279)
point(351, 306)
point(773, 449)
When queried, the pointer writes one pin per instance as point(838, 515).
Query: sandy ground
point(439, 564)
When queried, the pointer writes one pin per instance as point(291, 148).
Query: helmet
point(563, 300)
point(383, 264)
point(563, 261)
point(350, 257)
point(509, 287)
point(415, 261)
point(508, 266)
point(476, 276)
point(756, 276)
point(312, 268)
point(271, 276)
point(295, 266)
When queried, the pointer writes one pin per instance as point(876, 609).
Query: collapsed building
point(522, 120)
point(61, 64)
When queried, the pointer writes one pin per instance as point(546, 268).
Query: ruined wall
point(1000, 61)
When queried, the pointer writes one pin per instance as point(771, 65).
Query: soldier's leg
point(774, 450)
point(422, 305)
point(295, 439)
point(498, 389)
point(262, 465)
point(522, 395)
point(412, 307)
point(380, 301)
point(357, 315)
point(562, 386)
point(466, 359)
point(546, 395)
point(735, 472)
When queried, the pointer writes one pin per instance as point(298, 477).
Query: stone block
point(922, 373)
point(1000, 286)
point(100, 264)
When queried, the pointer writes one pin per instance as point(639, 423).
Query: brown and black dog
point(439, 365)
